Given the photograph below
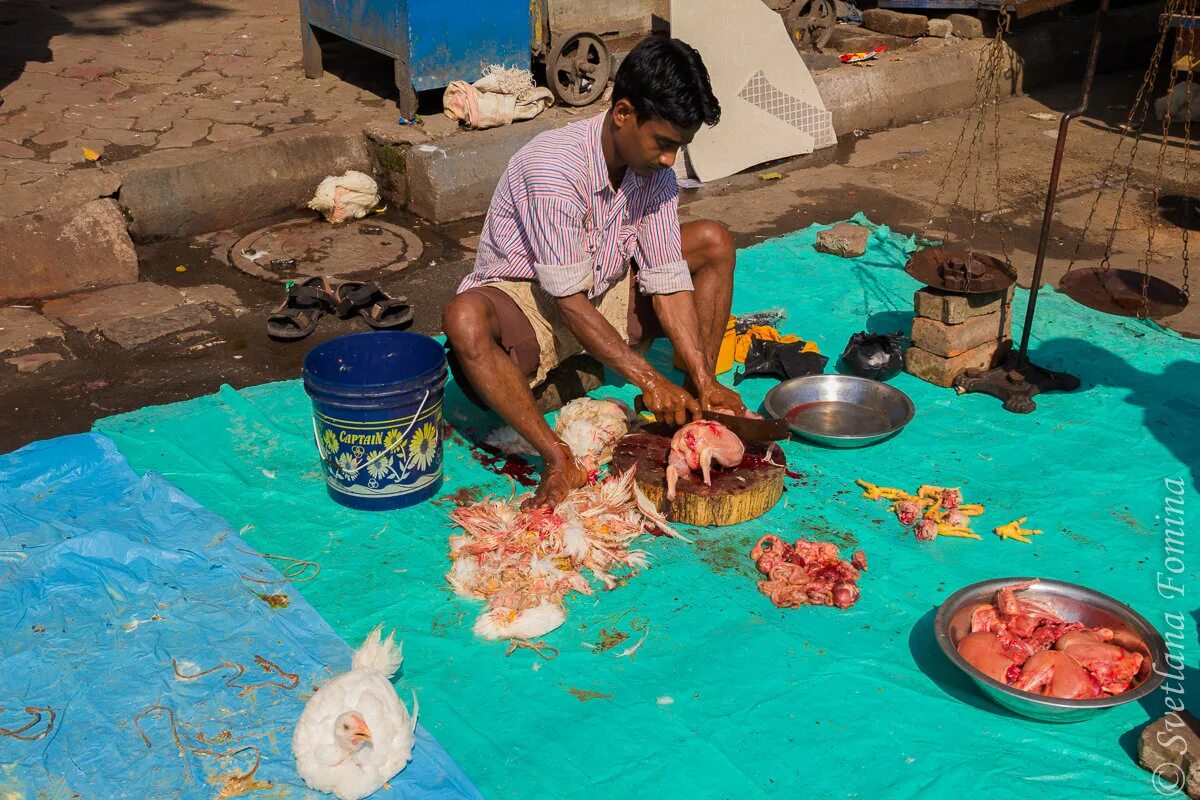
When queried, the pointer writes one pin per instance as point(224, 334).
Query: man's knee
point(712, 242)
point(467, 322)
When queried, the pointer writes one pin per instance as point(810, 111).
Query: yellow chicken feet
point(1013, 530)
point(961, 531)
point(970, 509)
point(873, 492)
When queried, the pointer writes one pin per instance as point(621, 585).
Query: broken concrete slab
point(942, 371)
point(21, 329)
point(176, 193)
point(965, 27)
point(91, 311)
point(1170, 748)
point(895, 23)
point(214, 294)
point(950, 341)
point(59, 192)
point(32, 362)
point(455, 178)
point(51, 254)
point(955, 309)
point(844, 239)
point(939, 28)
point(133, 332)
point(390, 133)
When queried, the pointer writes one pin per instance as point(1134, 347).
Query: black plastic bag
point(774, 359)
point(878, 356)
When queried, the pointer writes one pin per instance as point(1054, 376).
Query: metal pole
point(1052, 191)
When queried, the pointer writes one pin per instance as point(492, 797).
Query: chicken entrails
point(696, 446)
point(807, 573)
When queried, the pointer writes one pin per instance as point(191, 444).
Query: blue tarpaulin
point(126, 610)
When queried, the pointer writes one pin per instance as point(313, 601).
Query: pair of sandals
point(307, 302)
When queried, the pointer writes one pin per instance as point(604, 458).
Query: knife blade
point(756, 430)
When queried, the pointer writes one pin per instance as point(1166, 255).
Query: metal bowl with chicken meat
point(1049, 650)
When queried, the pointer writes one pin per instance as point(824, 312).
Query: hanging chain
point(1003, 22)
point(1132, 129)
point(1156, 187)
point(990, 104)
point(985, 75)
point(1186, 194)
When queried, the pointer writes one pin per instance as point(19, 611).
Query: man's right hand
point(669, 403)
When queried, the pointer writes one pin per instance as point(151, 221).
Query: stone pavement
point(126, 77)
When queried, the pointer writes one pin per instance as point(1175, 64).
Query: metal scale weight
point(962, 270)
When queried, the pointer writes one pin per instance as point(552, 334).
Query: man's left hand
point(714, 396)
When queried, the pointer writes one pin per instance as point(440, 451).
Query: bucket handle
point(402, 438)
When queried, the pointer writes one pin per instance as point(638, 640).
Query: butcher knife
point(755, 430)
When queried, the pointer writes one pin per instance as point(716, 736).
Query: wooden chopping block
point(738, 494)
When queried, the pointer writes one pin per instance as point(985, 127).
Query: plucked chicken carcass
point(807, 573)
point(592, 428)
point(354, 734)
point(696, 446)
point(1026, 645)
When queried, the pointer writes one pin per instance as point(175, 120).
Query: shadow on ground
point(28, 26)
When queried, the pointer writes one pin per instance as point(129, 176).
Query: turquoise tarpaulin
point(130, 616)
point(727, 696)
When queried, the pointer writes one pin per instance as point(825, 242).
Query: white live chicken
point(354, 734)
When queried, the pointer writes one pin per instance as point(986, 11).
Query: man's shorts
point(535, 339)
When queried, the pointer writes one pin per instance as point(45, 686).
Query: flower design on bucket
point(349, 465)
point(391, 440)
point(331, 442)
point(379, 467)
point(423, 447)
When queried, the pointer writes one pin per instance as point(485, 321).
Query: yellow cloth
point(771, 335)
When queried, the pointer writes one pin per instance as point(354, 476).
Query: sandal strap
point(353, 299)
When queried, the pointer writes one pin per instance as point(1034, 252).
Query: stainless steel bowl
point(1074, 604)
point(840, 410)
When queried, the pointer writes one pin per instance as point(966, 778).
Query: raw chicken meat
point(987, 654)
point(1028, 646)
point(1056, 674)
point(1114, 666)
point(807, 573)
point(695, 446)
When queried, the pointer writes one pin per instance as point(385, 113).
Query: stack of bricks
point(956, 332)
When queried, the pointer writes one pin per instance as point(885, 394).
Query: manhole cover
point(305, 248)
point(1119, 291)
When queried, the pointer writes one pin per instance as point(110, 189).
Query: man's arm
point(664, 399)
point(665, 274)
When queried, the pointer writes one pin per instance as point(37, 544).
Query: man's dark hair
point(665, 79)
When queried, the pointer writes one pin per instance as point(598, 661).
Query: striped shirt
point(555, 219)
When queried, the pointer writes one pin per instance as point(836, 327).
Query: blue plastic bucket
point(377, 417)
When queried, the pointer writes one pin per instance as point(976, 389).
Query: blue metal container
point(377, 417)
point(432, 42)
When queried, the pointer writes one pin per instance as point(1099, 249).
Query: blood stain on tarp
point(725, 554)
point(220, 738)
point(275, 600)
point(515, 467)
point(584, 695)
point(822, 530)
point(467, 495)
point(609, 638)
point(1124, 516)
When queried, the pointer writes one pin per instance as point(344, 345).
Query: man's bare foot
point(559, 478)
